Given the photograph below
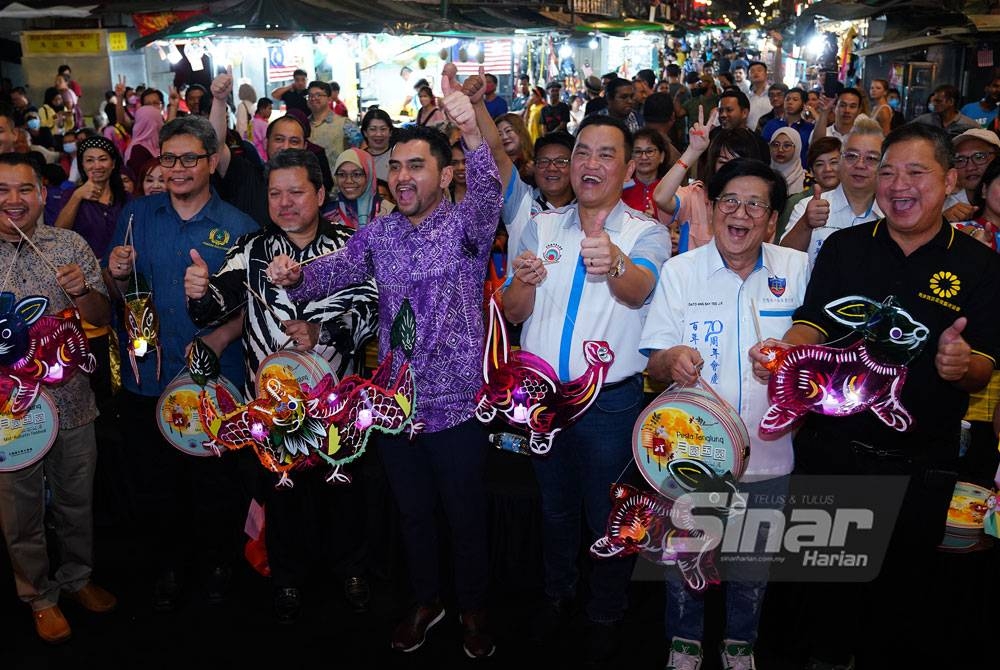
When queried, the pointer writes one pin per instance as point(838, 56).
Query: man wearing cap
point(595, 101)
point(974, 151)
point(555, 115)
point(658, 112)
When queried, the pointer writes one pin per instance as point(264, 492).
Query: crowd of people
point(628, 214)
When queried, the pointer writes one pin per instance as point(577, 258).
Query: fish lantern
point(524, 389)
point(142, 324)
point(867, 375)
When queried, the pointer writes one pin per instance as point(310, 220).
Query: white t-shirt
point(701, 303)
point(841, 216)
point(572, 307)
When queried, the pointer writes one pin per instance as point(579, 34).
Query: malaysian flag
point(280, 67)
point(496, 59)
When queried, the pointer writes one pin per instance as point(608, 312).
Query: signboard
point(117, 42)
point(62, 42)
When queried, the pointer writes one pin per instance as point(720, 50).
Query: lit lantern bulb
point(258, 431)
point(364, 419)
point(520, 414)
point(139, 346)
point(55, 373)
point(774, 355)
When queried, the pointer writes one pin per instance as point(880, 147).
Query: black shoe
point(166, 591)
point(603, 640)
point(357, 592)
point(550, 620)
point(287, 604)
point(217, 586)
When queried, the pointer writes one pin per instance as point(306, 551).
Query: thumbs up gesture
point(818, 210)
point(953, 352)
point(196, 277)
point(458, 107)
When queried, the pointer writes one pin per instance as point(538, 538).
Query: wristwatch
point(618, 267)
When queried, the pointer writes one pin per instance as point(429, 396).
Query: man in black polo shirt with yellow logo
point(951, 285)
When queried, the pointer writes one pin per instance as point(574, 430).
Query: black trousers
point(895, 620)
point(446, 468)
point(187, 507)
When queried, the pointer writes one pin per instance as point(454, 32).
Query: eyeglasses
point(978, 158)
point(652, 151)
point(544, 163)
point(317, 96)
point(187, 160)
point(754, 209)
point(852, 157)
point(782, 146)
point(349, 176)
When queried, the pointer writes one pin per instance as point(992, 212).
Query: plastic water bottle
point(516, 444)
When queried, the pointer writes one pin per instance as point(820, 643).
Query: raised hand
point(196, 277)
point(222, 85)
point(817, 210)
point(953, 352)
point(698, 136)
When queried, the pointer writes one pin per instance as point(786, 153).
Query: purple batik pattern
point(439, 266)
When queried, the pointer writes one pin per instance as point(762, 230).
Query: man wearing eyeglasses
point(974, 151)
point(188, 505)
point(329, 129)
point(851, 203)
point(702, 323)
point(602, 260)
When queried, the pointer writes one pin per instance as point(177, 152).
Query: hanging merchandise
point(869, 374)
point(527, 393)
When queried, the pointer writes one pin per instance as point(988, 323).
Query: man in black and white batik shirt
point(302, 521)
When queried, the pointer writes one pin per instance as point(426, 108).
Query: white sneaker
point(737, 655)
point(684, 654)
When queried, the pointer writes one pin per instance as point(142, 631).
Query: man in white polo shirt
point(815, 218)
point(602, 261)
point(703, 322)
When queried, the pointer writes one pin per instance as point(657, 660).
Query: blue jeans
point(577, 474)
point(685, 616)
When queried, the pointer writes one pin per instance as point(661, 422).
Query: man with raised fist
point(428, 259)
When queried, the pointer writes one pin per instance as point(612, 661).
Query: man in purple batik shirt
point(429, 259)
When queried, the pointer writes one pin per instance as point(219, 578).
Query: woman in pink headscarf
point(358, 201)
point(145, 138)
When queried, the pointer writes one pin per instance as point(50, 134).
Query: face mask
point(34, 124)
point(69, 147)
point(894, 103)
point(930, 108)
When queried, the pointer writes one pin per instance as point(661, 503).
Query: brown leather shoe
point(477, 642)
point(51, 625)
point(94, 599)
point(412, 630)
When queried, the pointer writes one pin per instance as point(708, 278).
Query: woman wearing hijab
point(786, 145)
point(145, 137)
point(358, 201)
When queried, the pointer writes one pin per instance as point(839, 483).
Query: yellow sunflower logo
point(945, 284)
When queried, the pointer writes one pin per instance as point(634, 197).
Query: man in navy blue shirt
point(184, 502)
